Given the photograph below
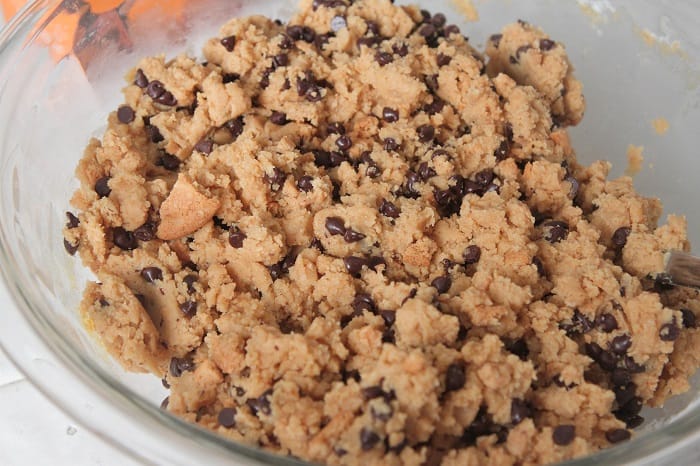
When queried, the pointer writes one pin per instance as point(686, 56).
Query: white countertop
point(34, 432)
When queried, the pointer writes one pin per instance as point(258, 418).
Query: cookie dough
point(356, 240)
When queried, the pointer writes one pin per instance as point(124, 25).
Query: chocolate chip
point(606, 322)
point(564, 434)
point(73, 221)
point(123, 239)
point(336, 159)
point(170, 162)
point(520, 50)
point(354, 265)
point(235, 127)
point(277, 179)
point(620, 344)
point(547, 44)
point(615, 435)
point(607, 361)
point(663, 282)
point(555, 231)
point(400, 49)
point(442, 284)
point(438, 20)
point(383, 58)
point(496, 39)
point(425, 172)
point(154, 134)
point(180, 365)
point(619, 238)
point(631, 365)
point(484, 177)
point(537, 262)
point(389, 209)
point(368, 439)
point(388, 316)
point(373, 171)
point(229, 43)
point(190, 280)
point(426, 133)
point(452, 29)
point(624, 394)
point(151, 274)
point(633, 421)
point(260, 404)
point(125, 114)
point(279, 118)
point(335, 226)
point(431, 82)
point(472, 255)
point(363, 302)
point(443, 60)
point(669, 332)
point(519, 411)
point(280, 60)
point(227, 417)
point(344, 142)
point(228, 78)
point(189, 308)
point(338, 23)
point(146, 232)
point(620, 377)
point(335, 128)
point(455, 377)
point(305, 184)
point(236, 238)
point(427, 30)
point(372, 27)
point(164, 404)
point(352, 236)
point(70, 248)
point(159, 94)
point(688, 318)
point(518, 347)
point(370, 393)
point(205, 146)
point(140, 79)
point(390, 144)
point(390, 115)
point(102, 187)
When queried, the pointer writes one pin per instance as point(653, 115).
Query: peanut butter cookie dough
point(356, 240)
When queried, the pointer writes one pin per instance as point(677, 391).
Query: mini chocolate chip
point(352, 236)
point(123, 239)
point(354, 265)
point(606, 322)
point(102, 187)
point(335, 226)
point(537, 262)
point(388, 316)
point(631, 365)
point(400, 49)
point(547, 44)
point(344, 142)
point(180, 365)
point(151, 274)
point(368, 439)
point(427, 30)
point(336, 159)
point(279, 118)
point(189, 308)
point(502, 152)
point(389, 209)
point(555, 231)
point(277, 179)
point(472, 254)
point(229, 43)
point(305, 184)
point(688, 318)
point(426, 133)
point(372, 27)
point(170, 162)
point(125, 114)
point(227, 417)
point(575, 185)
point(335, 128)
point(564, 434)
point(164, 404)
point(452, 29)
point(229, 78)
point(236, 238)
point(164, 382)
point(140, 79)
point(205, 146)
point(455, 377)
point(669, 332)
point(154, 134)
point(619, 238)
point(663, 282)
point(620, 344)
point(370, 393)
point(616, 435)
point(513, 60)
point(520, 50)
point(373, 171)
point(70, 248)
point(633, 421)
point(235, 127)
point(389, 336)
point(390, 144)
point(442, 284)
point(425, 172)
point(484, 177)
point(620, 377)
point(146, 232)
point(338, 23)
point(363, 302)
point(260, 404)
point(443, 60)
point(390, 115)
point(519, 410)
point(190, 280)
point(383, 58)
point(496, 39)
point(280, 60)
point(438, 20)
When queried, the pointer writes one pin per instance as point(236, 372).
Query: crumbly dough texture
point(355, 240)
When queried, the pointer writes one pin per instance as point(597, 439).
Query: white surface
point(35, 432)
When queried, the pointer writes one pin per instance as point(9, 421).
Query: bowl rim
point(113, 394)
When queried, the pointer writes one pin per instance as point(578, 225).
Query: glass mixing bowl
point(60, 77)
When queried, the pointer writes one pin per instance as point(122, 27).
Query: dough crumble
point(355, 239)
